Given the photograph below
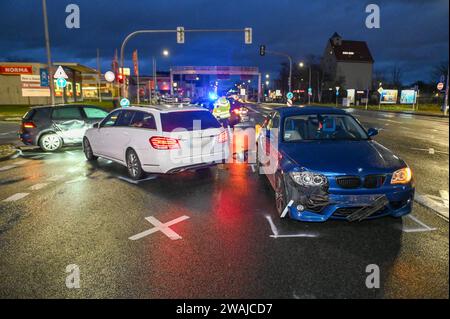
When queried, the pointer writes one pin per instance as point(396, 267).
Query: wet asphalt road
point(57, 210)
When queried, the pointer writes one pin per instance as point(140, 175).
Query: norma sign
point(16, 69)
point(440, 86)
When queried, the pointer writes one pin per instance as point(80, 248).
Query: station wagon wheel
point(134, 165)
point(280, 194)
point(88, 150)
point(50, 142)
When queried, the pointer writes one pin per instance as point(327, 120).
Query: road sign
point(290, 95)
point(289, 102)
point(380, 90)
point(61, 82)
point(180, 35)
point(248, 35)
point(60, 73)
point(124, 102)
point(309, 91)
point(440, 86)
point(43, 77)
point(109, 76)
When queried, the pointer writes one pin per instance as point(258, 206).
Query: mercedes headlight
point(402, 176)
point(308, 178)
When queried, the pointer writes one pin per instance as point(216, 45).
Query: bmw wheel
point(88, 150)
point(50, 142)
point(280, 193)
point(134, 165)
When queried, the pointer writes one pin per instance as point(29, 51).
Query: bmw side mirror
point(96, 125)
point(372, 132)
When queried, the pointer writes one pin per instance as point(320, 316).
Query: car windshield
point(322, 127)
point(188, 120)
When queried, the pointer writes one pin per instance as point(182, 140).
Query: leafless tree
point(396, 76)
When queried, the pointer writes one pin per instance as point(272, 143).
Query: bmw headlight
point(308, 178)
point(402, 176)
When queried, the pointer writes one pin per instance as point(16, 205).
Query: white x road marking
point(164, 228)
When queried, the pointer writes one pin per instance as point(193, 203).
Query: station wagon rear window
point(188, 120)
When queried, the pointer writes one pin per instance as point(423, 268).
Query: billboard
point(31, 86)
point(389, 96)
point(408, 97)
point(351, 96)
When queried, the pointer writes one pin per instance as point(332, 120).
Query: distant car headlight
point(402, 176)
point(308, 178)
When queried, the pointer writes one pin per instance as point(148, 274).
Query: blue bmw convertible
point(323, 164)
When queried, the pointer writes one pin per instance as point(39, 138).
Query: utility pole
point(49, 57)
point(99, 74)
point(446, 94)
point(155, 80)
point(309, 86)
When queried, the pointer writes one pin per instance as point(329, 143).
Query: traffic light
point(262, 50)
point(180, 35)
point(248, 35)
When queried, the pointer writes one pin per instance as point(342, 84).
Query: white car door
point(120, 135)
point(104, 135)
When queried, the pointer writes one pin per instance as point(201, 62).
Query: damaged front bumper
point(351, 205)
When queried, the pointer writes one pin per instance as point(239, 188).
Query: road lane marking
point(7, 133)
point(430, 150)
point(55, 178)
point(21, 162)
point(424, 227)
point(276, 234)
point(76, 180)
point(7, 167)
point(38, 186)
point(15, 197)
point(440, 205)
point(164, 228)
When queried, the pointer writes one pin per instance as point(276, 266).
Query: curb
point(11, 153)
point(401, 112)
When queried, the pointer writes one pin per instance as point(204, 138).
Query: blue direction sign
point(44, 77)
point(61, 82)
point(124, 102)
point(290, 95)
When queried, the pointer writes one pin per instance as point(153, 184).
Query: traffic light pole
point(133, 34)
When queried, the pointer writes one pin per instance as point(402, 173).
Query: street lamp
point(165, 53)
point(301, 64)
point(267, 76)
